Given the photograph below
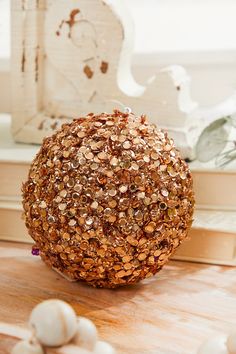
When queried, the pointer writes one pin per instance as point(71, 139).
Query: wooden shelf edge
point(205, 260)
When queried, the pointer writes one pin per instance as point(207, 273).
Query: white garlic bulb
point(27, 347)
point(104, 348)
point(231, 343)
point(54, 322)
point(86, 334)
point(214, 346)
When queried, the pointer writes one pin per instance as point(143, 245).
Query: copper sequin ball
point(108, 199)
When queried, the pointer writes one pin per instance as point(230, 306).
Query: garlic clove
point(231, 343)
point(72, 349)
point(86, 335)
point(27, 347)
point(214, 346)
point(104, 348)
point(54, 322)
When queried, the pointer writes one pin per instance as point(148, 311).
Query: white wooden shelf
point(10, 151)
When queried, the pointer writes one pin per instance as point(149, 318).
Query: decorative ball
point(54, 322)
point(104, 348)
point(215, 345)
point(28, 347)
point(231, 343)
point(86, 335)
point(108, 199)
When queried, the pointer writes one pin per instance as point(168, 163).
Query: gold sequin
point(89, 155)
point(142, 256)
point(112, 203)
point(63, 193)
point(102, 155)
point(94, 205)
point(43, 205)
point(126, 145)
point(150, 227)
point(123, 189)
point(62, 206)
point(114, 161)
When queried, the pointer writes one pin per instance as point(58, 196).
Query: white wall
point(198, 34)
point(4, 55)
point(180, 25)
point(4, 29)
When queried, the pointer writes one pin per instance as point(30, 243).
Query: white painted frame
point(35, 56)
point(5, 91)
point(200, 60)
point(142, 64)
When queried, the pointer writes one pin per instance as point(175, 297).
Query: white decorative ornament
point(81, 63)
point(215, 345)
point(86, 335)
point(222, 344)
point(103, 348)
point(231, 343)
point(54, 322)
point(27, 347)
point(54, 325)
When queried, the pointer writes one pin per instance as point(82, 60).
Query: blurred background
point(198, 34)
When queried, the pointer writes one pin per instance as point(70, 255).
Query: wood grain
point(171, 313)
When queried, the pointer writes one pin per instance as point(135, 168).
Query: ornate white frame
point(48, 41)
point(35, 111)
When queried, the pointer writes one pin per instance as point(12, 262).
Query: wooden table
point(171, 313)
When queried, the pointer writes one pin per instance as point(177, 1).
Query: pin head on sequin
point(35, 251)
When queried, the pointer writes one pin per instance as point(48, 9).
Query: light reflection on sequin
point(43, 205)
point(114, 161)
point(63, 193)
point(62, 206)
point(72, 222)
point(123, 189)
point(94, 205)
point(164, 192)
point(126, 145)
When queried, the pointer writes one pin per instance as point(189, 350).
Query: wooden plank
point(171, 313)
point(215, 188)
point(206, 246)
point(9, 184)
point(12, 226)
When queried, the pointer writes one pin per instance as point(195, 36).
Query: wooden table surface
point(171, 313)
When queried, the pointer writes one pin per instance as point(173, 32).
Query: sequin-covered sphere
point(108, 199)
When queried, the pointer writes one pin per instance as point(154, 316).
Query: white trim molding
point(5, 85)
